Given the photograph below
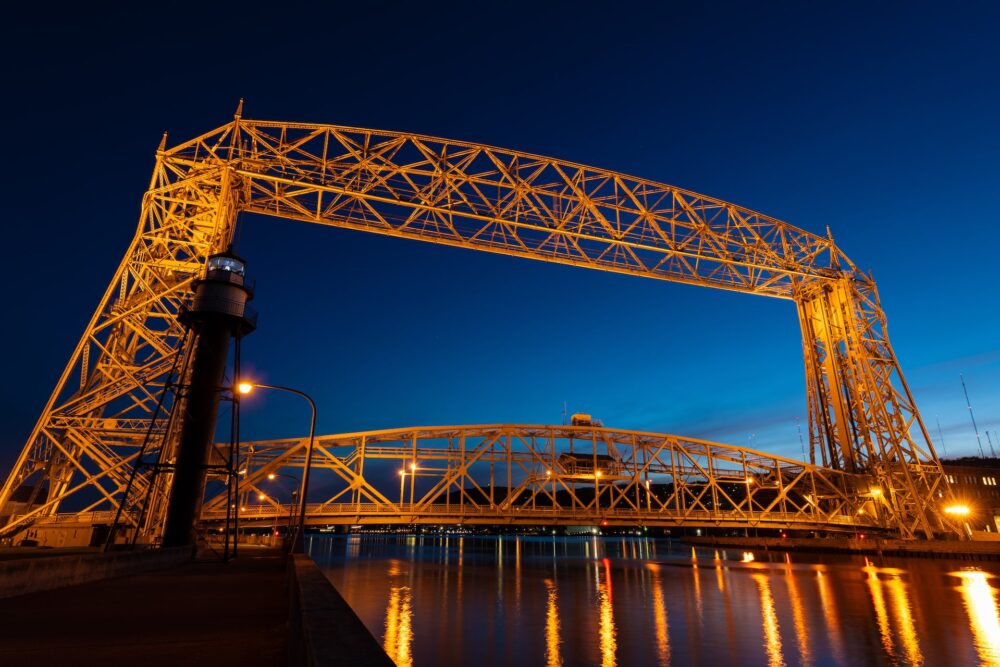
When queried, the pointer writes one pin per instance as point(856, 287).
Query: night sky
point(879, 120)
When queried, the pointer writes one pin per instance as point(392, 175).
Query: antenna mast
point(974, 427)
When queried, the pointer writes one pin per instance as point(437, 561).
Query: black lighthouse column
point(218, 313)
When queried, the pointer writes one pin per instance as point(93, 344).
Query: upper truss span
point(510, 202)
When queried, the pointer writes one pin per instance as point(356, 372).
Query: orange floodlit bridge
point(517, 474)
point(121, 399)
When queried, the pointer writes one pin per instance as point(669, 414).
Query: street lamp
point(245, 388)
point(403, 472)
point(271, 476)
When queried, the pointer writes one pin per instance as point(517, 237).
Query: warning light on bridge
point(957, 510)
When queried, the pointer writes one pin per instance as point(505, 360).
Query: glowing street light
point(957, 510)
point(245, 388)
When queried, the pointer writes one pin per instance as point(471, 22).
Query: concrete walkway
point(200, 613)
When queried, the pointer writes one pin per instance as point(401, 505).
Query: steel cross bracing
point(104, 406)
point(528, 474)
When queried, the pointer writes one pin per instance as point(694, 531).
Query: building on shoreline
point(976, 482)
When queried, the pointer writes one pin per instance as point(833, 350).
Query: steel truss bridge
point(551, 475)
point(118, 394)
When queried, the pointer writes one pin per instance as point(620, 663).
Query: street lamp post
point(413, 480)
point(298, 543)
point(295, 492)
point(402, 482)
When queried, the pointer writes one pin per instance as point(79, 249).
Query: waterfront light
point(957, 510)
point(298, 540)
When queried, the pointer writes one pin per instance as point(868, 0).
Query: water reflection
point(399, 626)
point(585, 601)
point(552, 641)
point(904, 620)
point(981, 604)
point(830, 616)
point(772, 633)
point(660, 622)
point(903, 628)
point(607, 620)
point(798, 615)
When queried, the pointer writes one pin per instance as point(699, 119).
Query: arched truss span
point(107, 402)
point(549, 475)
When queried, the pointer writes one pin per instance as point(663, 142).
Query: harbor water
point(454, 600)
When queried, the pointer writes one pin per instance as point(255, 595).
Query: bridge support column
point(859, 422)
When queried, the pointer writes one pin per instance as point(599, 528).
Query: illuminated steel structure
point(862, 418)
point(557, 475)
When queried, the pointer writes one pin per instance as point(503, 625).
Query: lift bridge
point(121, 397)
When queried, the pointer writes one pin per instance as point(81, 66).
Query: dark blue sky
point(877, 120)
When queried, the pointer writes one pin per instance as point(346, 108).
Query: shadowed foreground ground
point(199, 613)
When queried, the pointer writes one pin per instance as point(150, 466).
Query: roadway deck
point(200, 613)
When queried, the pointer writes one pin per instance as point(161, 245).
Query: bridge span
point(518, 474)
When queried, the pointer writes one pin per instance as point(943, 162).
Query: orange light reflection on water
point(660, 622)
point(829, 604)
point(772, 633)
point(881, 613)
point(798, 615)
point(399, 626)
point(607, 632)
point(904, 620)
point(980, 600)
point(552, 641)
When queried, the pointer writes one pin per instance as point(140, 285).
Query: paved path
point(199, 613)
